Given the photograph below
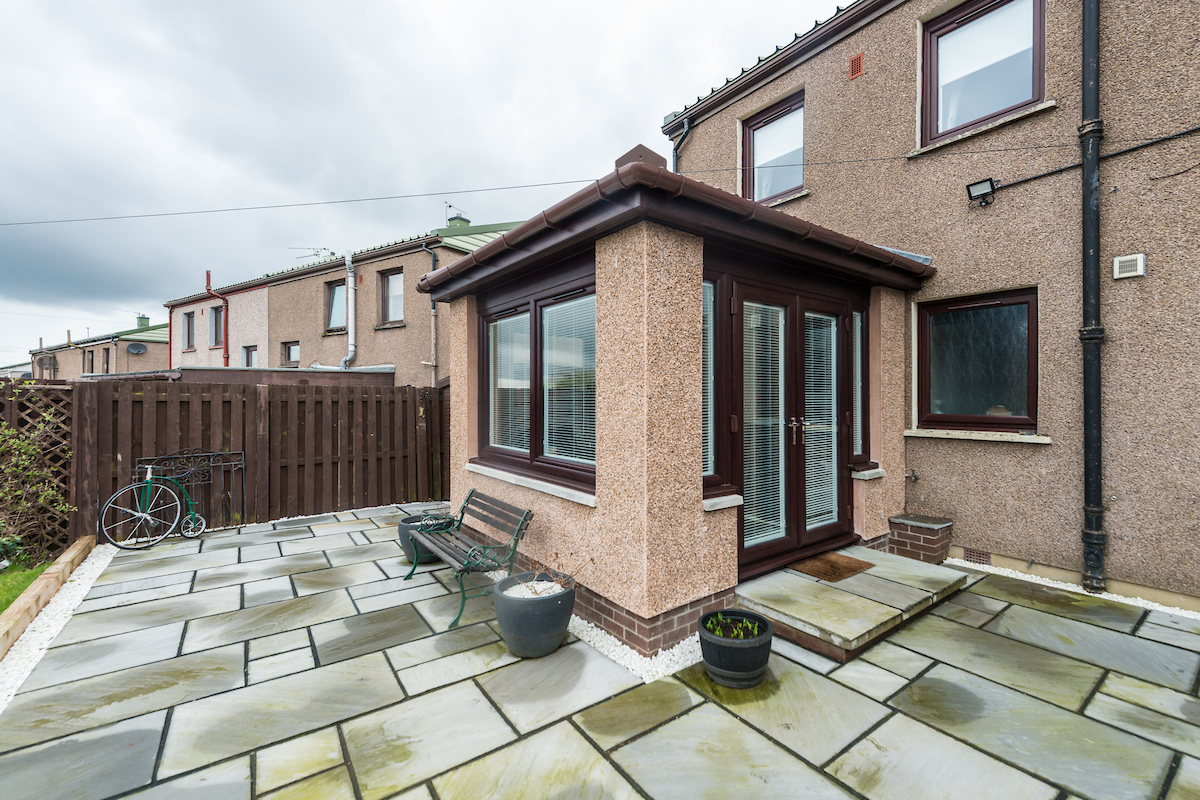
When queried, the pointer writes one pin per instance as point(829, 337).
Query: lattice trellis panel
point(23, 407)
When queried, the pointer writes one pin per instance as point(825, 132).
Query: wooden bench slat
point(499, 504)
point(482, 506)
point(486, 520)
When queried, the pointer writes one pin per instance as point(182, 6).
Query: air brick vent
point(977, 557)
point(856, 66)
point(1129, 266)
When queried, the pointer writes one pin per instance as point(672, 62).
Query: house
point(17, 371)
point(138, 349)
point(300, 317)
point(855, 313)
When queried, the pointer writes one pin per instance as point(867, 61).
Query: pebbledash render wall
point(1021, 496)
point(247, 327)
point(644, 543)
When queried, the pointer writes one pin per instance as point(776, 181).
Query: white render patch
point(28, 650)
point(1140, 602)
point(649, 669)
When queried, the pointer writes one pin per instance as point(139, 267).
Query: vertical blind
point(569, 380)
point(764, 492)
point(820, 418)
point(856, 382)
point(508, 366)
point(708, 406)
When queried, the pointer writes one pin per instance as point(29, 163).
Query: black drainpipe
point(1091, 334)
point(687, 127)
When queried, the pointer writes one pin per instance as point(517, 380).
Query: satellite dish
point(137, 348)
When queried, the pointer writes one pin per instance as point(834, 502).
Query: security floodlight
point(981, 191)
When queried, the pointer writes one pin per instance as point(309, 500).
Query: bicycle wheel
point(140, 515)
point(192, 525)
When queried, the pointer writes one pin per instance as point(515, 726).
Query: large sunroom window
point(508, 363)
point(708, 388)
point(569, 380)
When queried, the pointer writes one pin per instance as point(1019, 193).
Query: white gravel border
point(1140, 602)
point(667, 662)
point(28, 650)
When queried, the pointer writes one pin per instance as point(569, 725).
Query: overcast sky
point(125, 107)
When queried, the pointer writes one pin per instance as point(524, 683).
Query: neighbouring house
point(863, 319)
point(301, 318)
point(17, 371)
point(136, 350)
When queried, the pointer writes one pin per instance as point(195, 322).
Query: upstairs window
point(983, 61)
point(773, 150)
point(335, 306)
point(189, 330)
point(216, 326)
point(391, 292)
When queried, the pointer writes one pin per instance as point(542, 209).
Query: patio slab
point(1176, 704)
point(250, 623)
point(298, 758)
point(360, 634)
point(897, 660)
point(259, 570)
point(228, 781)
point(1061, 603)
point(97, 624)
point(443, 644)
point(618, 720)
point(451, 669)
point(110, 654)
point(333, 785)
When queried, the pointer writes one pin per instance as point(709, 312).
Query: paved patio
point(292, 661)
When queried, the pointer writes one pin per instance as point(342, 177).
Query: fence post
point(262, 456)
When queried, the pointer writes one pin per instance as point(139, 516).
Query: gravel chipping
point(534, 589)
point(28, 650)
point(1140, 602)
point(667, 662)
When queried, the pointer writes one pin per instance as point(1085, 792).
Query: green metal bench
point(462, 546)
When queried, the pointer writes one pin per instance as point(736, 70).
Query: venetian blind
point(508, 366)
point(708, 405)
point(820, 418)
point(569, 380)
point(763, 438)
point(856, 382)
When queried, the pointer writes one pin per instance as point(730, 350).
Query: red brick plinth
point(920, 537)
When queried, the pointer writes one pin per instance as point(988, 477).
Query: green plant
point(731, 627)
point(31, 499)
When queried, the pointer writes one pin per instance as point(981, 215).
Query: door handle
point(794, 425)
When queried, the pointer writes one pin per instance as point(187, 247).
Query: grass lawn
point(14, 580)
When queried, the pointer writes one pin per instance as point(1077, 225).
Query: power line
point(49, 316)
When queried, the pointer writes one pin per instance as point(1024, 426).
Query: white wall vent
point(1129, 266)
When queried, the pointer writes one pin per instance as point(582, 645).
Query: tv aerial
point(313, 252)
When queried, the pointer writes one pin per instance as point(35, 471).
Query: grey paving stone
point(1186, 784)
point(272, 590)
point(100, 656)
point(419, 793)
point(472, 580)
point(278, 643)
point(814, 661)
point(228, 724)
point(227, 781)
point(556, 762)
point(363, 552)
point(399, 567)
point(259, 552)
point(987, 605)
point(135, 571)
point(967, 616)
point(111, 621)
point(1037, 736)
point(375, 512)
point(91, 765)
point(259, 570)
point(627, 715)
point(359, 537)
point(1169, 731)
point(568, 680)
point(439, 611)
point(1063, 681)
point(336, 578)
point(402, 597)
point(367, 633)
point(251, 623)
point(441, 645)
point(903, 759)
point(897, 659)
point(404, 745)
point(1060, 602)
point(1185, 624)
point(169, 548)
point(390, 585)
point(707, 752)
point(280, 664)
point(1171, 636)
point(875, 682)
point(818, 609)
point(127, 587)
point(385, 534)
point(451, 669)
point(1167, 701)
point(56, 711)
point(297, 758)
point(931, 577)
point(332, 785)
point(314, 519)
point(342, 526)
point(247, 541)
point(129, 598)
point(807, 713)
point(1158, 663)
point(897, 595)
point(316, 544)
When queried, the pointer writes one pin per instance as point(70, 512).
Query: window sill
point(778, 201)
point(545, 487)
point(216, 347)
point(290, 365)
point(341, 332)
point(389, 325)
point(724, 501)
point(1047, 104)
point(189, 349)
point(868, 474)
point(979, 436)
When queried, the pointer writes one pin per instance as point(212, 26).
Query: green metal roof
point(155, 334)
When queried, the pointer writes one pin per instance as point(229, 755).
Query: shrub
point(31, 500)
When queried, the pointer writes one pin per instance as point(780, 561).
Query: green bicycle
point(148, 511)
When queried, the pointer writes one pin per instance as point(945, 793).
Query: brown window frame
point(384, 277)
point(216, 324)
point(329, 288)
point(860, 461)
point(283, 354)
point(107, 360)
point(977, 422)
point(721, 482)
point(189, 331)
point(89, 362)
point(545, 292)
point(951, 21)
point(247, 350)
point(751, 124)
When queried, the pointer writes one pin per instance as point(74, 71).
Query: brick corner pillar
point(920, 537)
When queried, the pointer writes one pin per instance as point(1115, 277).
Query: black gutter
point(687, 128)
point(1091, 335)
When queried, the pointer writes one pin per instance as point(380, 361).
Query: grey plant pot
point(532, 627)
point(406, 543)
